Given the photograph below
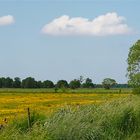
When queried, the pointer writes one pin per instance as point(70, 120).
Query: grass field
point(14, 102)
point(81, 90)
point(98, 115)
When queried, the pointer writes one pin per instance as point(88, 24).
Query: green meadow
point(94, 114)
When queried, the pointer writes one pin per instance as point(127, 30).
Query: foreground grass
point(115, 120)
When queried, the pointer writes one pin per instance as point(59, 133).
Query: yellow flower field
point(13, 105)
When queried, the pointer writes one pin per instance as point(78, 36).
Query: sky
point(63, 39)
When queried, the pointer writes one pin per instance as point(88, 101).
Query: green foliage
point(6, 82)
point(22, 124)
point(39, 84)
point(134, 66)
point(19, 130)
point(117, 120)
point(88, 83)
point(108, 83)
point(17, 82)
point(136, 90)
point(74, 84)
point(62, 84)
point(128, 122)
point(81, 79)
point(2, 82)
point(48, 84)
point(29, 82)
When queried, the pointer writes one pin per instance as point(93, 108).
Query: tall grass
point(117, 120)
point(136, 90)
point(19, 129)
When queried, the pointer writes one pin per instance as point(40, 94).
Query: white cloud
point(108, 24)
point(6, 20)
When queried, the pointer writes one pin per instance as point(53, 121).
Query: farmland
point(14, 102)
point(70, 116)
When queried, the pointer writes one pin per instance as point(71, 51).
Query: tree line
point(30, 82)
point(133, 73)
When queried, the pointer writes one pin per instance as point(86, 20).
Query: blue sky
point(26, 51)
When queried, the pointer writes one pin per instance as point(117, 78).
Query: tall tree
point(2, 80)
point(108, 83)
point(62, 84)
point(29, 82)
point(81, 79)
point(134, 66)
point(88, 83)
point(48, 84)
point(17, 82)
point(39, 84)
point(8, 82)
point(74, 84)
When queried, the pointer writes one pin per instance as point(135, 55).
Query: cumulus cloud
point(6, 20)
point(108, 24)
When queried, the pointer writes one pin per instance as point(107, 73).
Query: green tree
point(17, 82)
point(2, 81)
point(8, 82)
point(88, 83)
point(134, 66)
point(81, 79)
point(74, 84)
point(108, 83)
point(39, 84)
point(29, 82)
point(62, 84)
point(48, 84)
